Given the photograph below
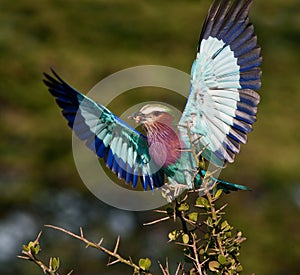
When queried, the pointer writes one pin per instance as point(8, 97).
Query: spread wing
point(124, 149)
point(222, 103)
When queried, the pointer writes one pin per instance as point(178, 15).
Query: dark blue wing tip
point(57, 86)
point(228, 20)
point(48, 79)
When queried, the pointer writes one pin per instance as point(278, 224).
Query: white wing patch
point(212, 103)
point(216, 65)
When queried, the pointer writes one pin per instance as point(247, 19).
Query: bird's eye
point(156, 113)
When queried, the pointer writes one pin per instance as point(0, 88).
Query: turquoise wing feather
point(222, 103)
point(124, 149)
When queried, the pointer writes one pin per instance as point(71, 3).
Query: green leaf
point(174, 235)
point(225, 226)
point(218, 194)
point(221, 259)
point(25, 247)
point(145, 264)
point(171, 236)
point(202, 164)
point(34, 247)
point(184, 207)
point(217, 221)
point(239, 268)
point(209, 221)
point(185, 238)
point(54, 262)
point(202, 202)
point(193, 216)
point(213, 266)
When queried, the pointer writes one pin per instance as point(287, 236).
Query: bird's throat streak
point(164, 143)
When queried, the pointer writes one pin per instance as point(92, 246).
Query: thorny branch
point(209, 242)
point(118, 258)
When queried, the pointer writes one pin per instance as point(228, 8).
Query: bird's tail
point(221, 184)
point(228, 186)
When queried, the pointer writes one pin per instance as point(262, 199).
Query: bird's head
point(152, 113)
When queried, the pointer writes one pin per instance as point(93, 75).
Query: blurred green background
point(88, 40)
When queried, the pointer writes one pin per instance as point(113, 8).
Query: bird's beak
point(137, 117)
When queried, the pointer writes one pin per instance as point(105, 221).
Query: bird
point(220, 111)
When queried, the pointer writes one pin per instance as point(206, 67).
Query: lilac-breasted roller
point(219, 113)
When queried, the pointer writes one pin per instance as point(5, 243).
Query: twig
point(214, 217)
point(157, 221)
point(165, 270)
point(197, 263)
point(100, 247)
point(178, 269)
point(30, 251)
